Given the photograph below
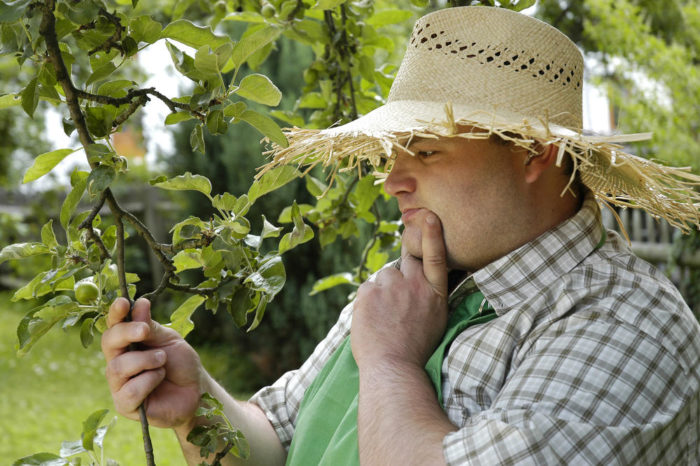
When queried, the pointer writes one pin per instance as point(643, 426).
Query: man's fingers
point(116, 340)
point(141, 311)
point(434, 256)
point(132, 393)
point(119, 370)
point(117, 311)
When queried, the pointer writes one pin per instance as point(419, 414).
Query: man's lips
point(408, 214)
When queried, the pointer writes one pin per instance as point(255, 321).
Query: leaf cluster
point(72, 453)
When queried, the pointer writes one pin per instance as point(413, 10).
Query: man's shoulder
point(616, 286)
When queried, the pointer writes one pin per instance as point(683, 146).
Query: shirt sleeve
point(280, 401)
point(589, 391)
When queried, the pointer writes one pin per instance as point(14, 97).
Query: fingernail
point(430, 219)
point(160, 356)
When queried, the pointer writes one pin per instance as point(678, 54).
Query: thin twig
point(186, 244)
point(87, 225)
point(133, 106)
point(219, 456)
point(112, 42)
point(144, 232)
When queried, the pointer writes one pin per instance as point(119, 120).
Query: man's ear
point(536, 163)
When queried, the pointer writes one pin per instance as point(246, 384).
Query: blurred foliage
point(649, 66)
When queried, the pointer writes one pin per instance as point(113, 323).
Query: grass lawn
point(46, 395)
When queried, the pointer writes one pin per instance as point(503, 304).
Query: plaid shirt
point(594, 359)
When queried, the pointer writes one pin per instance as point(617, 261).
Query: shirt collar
point(509, 280)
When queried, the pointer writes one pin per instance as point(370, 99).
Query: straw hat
point(502, 72)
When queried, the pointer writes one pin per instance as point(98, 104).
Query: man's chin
point(411, 242)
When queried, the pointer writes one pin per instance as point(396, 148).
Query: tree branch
point(187, 244)
point(134, 93)
point(87, 225)
point(47, 29)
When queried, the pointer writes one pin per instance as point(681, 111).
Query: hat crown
point(493, 60)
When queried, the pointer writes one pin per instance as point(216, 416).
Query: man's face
point(474, 186)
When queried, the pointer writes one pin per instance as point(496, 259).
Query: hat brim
point(614, 176)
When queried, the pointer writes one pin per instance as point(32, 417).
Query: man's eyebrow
point(421, 140)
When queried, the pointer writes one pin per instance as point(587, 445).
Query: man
point(514, 329)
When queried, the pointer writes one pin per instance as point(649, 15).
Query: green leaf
point(41, 459)
point(269, 278)
point(48, 237)
point(301, 233)
point(364, 195)
point(99, 120)
point(180, 319)
point(327, 4)
point(387, 17)
point(197, 139)
point(188, 259)
point(216, 123)
point(38, 287)
point(312, 100)
point(523, 4)
point(10, 100)
point(286, 214)
point(22, 251)
point(269, 230)
point(259, 312)
point(12, 11)
point(177, 117)
point(188, 33)
point(265, 125)
point(145, 29)
point(241, 303)
point(259, 88)
point(90, 426)
point(87, 332)
point(225, 202)
point(235, 109)
point(272, 180)
point(314, 186)
point(44, 163)
point(37, 322)
point(331, 281)
point(210, 62)
point(186, 182)
point(188, 228)
point(251, 42)
point(99, 179)
point(78, 180)
point(101, 72)
point(99, 153)
point(245, 16)
point(71, 448)
point(116, 88)
point(30, 97)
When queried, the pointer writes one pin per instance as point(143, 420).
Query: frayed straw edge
point(614, 176)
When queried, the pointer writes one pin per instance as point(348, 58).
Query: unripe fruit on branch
point(86, 292)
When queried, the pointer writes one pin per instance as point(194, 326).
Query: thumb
point(434, 255)
point(141, 311)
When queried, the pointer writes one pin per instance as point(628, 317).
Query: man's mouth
point(407, 214)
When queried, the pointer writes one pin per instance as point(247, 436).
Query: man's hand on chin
point(398, 320)
point(401, 316)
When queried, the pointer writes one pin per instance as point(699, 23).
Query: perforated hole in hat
point(518, 61)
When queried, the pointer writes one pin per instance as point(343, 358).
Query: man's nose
point(401, 178)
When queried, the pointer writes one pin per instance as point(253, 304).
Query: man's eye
point(425, 153)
